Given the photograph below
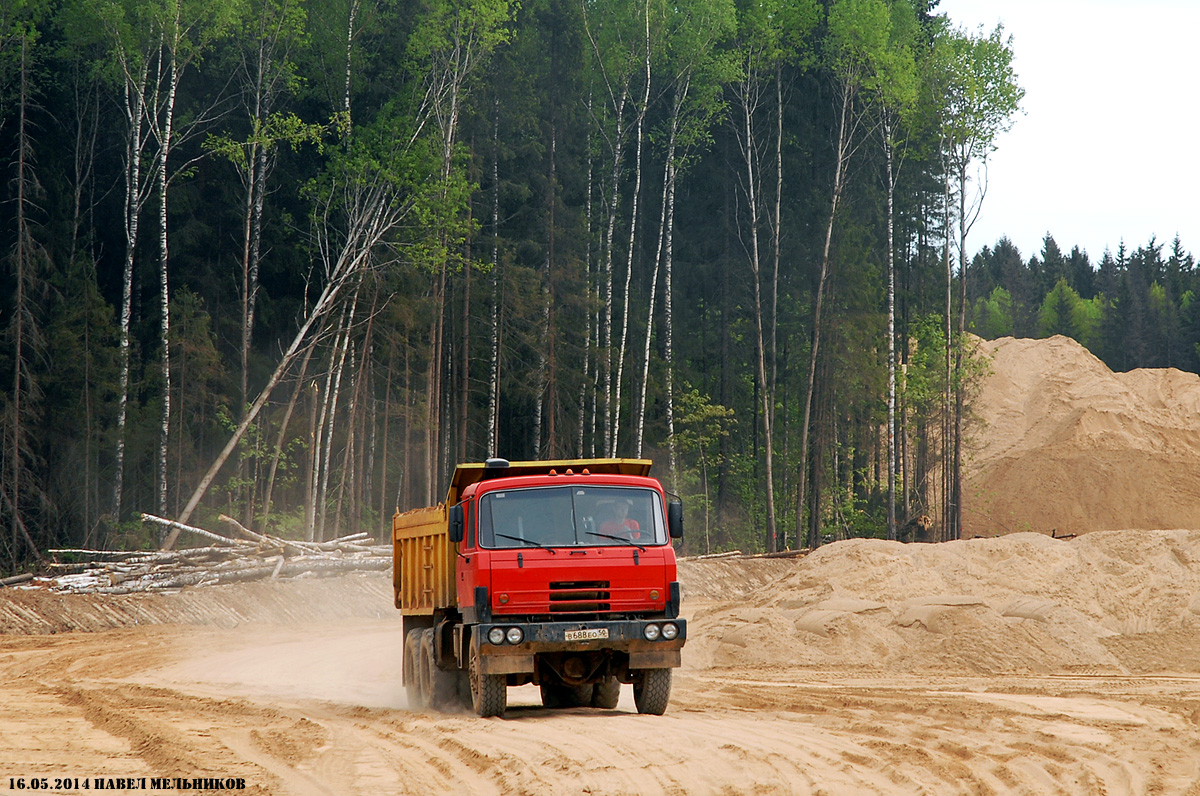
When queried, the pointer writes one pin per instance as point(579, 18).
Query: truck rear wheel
point(438, 686)
point(489, 692)
point(652, 691)
point(606, 693)
point(412, 668)
point(555, 695)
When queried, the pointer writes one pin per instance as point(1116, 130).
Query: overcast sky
point(1108, 146)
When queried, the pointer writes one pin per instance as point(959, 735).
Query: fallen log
point(333, 544)
point(274, 541)
point(229, 560)
point(289, 568)
point(715, 556)
point(178, 526)
point(106, 553)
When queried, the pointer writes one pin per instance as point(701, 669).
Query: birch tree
point(697, 70)
point(450, 42)
point(267, 37)
point(981, 97)
point(765, 29)
point(373, 191)
point(131, 54)
point(616, 33)
point(893, 87)
point(858, 35)
point(186, 30)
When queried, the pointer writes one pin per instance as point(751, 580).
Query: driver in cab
point(621, 523)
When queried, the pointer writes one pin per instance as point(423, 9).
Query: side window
point(472, 511)
point(486, 537)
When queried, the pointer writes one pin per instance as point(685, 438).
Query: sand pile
point(1065, 444)
point(1105, 602)
point(713, 580)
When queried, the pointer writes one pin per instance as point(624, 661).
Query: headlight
point(670, 631)
point(496, 635)
point(514, 635)
point(651, 632)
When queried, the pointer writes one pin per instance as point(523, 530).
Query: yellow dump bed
point(422, 561)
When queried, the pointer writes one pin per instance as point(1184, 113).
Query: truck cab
point(563, 575)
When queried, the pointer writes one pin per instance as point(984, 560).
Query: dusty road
point(318, 709)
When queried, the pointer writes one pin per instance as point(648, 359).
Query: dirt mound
point(368, 595)
point(713, 580)
point(1107, 602)
point(38, 611)
point(1065, 444)
point(1024, 603)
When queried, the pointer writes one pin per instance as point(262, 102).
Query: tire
point(652, 691)
point(438, 687)
point(489, 692)
point(462, 685)
point(606, 693)
point(552, 695)
point(556, 695)
point(412, 669)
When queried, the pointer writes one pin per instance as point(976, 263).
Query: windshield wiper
point(528, 541)
point(621, 539)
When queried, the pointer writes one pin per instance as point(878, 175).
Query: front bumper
point(627, 636)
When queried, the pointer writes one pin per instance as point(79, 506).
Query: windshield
point(567, 516)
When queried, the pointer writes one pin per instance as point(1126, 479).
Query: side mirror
point(457, 523)
point(675, 519)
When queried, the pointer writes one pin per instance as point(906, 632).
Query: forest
point(293, 261)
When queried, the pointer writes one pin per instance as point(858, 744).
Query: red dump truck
point(557, 573)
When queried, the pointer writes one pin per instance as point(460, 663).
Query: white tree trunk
point(668, 176)
point(494, 378)
point(164, 151)
point(134, 105)
point(747, 141)
point(669, 343)
point(376, 213)
point(606, 329)
point(891, 257)
point(633, 216)
point(839, 176)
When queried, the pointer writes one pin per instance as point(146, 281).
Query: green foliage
point(852, 515)
point(450, 28)
point(993, 316)
point(1064, 312)
point(701, 64)
point(857, 43)
point(439, 113)
point(924, 379)
point(701, 426)
point(279, 128)
point(979, 90)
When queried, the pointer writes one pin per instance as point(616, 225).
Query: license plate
point(587, 635)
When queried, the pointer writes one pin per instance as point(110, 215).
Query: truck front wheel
point(489, 692)
point(652, 691)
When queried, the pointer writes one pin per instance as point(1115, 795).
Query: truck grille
point(579, 597)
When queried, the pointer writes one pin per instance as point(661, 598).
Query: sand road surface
point(312, 703)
